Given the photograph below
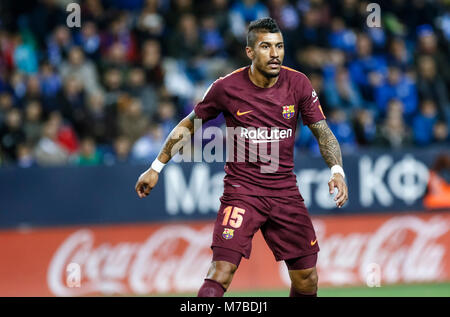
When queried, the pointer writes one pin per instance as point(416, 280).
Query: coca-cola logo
point(405, 248)
point(176, 258)
point(173, 259)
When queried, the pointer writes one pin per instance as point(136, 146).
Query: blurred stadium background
point(84, 110)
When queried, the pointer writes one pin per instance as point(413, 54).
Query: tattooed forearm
point(179, 136)
point(328, 145)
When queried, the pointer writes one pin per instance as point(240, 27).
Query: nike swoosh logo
point(239, 113)
point(313, 242)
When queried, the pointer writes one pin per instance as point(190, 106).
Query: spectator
point(116, 57)
point(342, 129)
point(393, 131)
point(132, 123)
point(312, 32)
point(89, 40)
point(65, 135)
point(177, 9)
point(151, 63)
point(18, 85)
point(428, 46)
point(119, 31)
point(424, 122)
point(398, 54)
point(305, 140)
point(89, 154)
point(443, 23)
point(377, 36)
point(341, 93)
point(48, 151)
point(441, 133)
point(122, 150)
point(113, 83)
point(244, 11)
point(285, 13)
point(71, 102)
point(138, 88)
point(43, 18)
point(148, 146)
point(93, 10)
point(33, 91)
point(11, 135)
point(25, 58)
point(431, 86)
point(81, 69)
point(366, 70)
point(24, 155)
point(185, 44)
point(33, 122)
point(166, 116)
point(6, 51)
point(341, 37)
point(333, 60)
point(317, 83)
point(310, 59)
point(151, 23)
point(111, 154)
point(218, 9)
point(59, 45)
point(212, 41)
point(364, 127)
point(396, 86)
point(50, 82)
point(6, 103)
point(98, 120)
point(349, 11)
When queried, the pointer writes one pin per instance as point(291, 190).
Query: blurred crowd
point(110, 91)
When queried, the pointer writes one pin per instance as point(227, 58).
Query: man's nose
point(274, 52)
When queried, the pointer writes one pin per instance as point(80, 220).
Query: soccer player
point(264, 95)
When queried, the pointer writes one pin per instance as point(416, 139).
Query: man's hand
point(146, 182)
point(331, 153)
point(337, 181)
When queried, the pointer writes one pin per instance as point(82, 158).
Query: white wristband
point(157, 165)
point(337, 169)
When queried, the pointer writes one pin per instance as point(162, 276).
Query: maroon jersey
point(260, 118)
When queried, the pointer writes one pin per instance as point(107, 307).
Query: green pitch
point(401, 290)
point(411, 290)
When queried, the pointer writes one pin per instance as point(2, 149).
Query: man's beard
point(268, 75)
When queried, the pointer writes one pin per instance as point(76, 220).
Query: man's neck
point(259, 79)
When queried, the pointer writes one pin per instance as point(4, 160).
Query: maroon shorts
point(284, 223)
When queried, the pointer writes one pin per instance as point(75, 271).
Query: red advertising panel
point(174, 258)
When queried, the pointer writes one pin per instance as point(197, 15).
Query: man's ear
point(250, 52)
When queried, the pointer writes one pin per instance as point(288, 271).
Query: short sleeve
point(211, 105)
point(310, 108)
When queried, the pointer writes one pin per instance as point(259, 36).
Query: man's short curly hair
point(261, 25)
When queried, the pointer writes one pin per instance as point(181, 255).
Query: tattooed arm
point(328, 145)
point(179, 136)
point(331, 153)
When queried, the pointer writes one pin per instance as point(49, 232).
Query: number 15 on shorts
point(233, 216)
